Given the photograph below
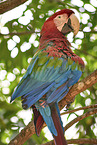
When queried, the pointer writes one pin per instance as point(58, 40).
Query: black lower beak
point(67, 28)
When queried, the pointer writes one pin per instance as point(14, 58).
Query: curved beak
point(72, 25)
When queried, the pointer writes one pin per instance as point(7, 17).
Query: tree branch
point(83, 141)
point(29, 130)
point(76, 141)
point(10, 4)
point(91, 112)
point(24, 135)
point(80, 108)
point(19, 33)
point(78, 88)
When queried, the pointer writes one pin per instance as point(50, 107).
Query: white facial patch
point(60, 20)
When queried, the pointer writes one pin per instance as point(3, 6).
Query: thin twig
point(92, 31)
point(91, 112)
point(78, 109)
point(65, 4)
point(19, 33)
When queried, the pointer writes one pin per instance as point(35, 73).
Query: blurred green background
point(19, 40)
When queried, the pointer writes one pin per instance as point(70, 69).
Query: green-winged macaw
point(53, 70)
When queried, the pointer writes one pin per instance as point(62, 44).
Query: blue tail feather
point(48, 119)
point(56, 104)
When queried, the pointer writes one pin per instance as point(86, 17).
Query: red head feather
point(67, 11)
point(49, 29)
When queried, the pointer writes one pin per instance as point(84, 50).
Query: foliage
point(18, 46)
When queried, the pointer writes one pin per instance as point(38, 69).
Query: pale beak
point(74, 23)
point(71, 25)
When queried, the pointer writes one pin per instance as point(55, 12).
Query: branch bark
point(10, 4)
point(19, 33)
point(80, 108)
point(91, 112)
point(29, 130)
point(78, 88)
point(24, 135)
point(77, 141)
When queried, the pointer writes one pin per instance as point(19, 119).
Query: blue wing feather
point(46, 81)
point(36, 90)
point(75, 77)
point(33, 99)
point(62, 95)
point(36, 83)
point(56, 94)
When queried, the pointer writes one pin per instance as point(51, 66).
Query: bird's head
point(61, 22)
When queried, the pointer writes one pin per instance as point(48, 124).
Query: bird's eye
point(59, 16)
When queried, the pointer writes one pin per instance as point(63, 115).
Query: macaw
point(53, 70)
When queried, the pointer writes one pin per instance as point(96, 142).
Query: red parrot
point(53, 70)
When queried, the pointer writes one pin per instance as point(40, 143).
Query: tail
point(51, 116)
point(59, 139)
point(38, 120)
